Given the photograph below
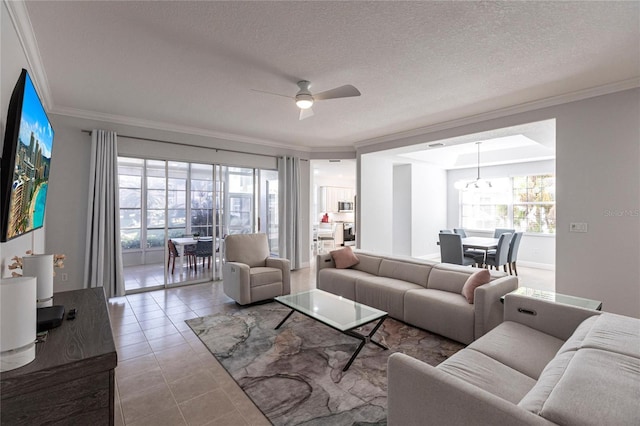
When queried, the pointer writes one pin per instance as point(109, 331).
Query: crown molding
point(21, 22)
point(503, 112)
point(156, 125)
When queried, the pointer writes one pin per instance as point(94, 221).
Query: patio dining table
point(181, 242)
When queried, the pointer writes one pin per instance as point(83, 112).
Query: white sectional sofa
point(546, 364)
point(421, 293)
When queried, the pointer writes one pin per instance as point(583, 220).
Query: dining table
point(480, 243)
point(182, 242)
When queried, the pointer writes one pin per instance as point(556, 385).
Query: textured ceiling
point(191, 65)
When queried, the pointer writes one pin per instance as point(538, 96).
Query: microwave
point(345, 206)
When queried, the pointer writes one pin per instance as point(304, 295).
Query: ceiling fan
point(304, 98)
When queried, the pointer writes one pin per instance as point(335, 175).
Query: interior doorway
point(333, 204)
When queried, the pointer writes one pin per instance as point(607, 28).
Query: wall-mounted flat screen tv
point(26, 161)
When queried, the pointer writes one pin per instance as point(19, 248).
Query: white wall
point(429, 213)
point(535, 250)
point(12, 61)
point(598, 171)
point(402, 207)
point(598, 182)
point(401, 210)
point(374, 210)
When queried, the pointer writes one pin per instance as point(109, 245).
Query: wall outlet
point(578, 227)
point(64, 276)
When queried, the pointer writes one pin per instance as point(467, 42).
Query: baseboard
point(535, 265)
point(432, 256)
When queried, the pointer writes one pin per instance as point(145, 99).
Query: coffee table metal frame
point(348, 331)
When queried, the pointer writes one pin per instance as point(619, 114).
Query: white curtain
point(103, 258)
point(289, 185)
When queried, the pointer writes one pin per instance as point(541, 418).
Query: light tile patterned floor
point(166, 376)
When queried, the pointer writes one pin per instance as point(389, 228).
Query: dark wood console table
point(71, 381)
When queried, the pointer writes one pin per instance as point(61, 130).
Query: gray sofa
point(421, 293)
point(546, 364)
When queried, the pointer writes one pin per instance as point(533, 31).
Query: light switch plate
point(578, 227)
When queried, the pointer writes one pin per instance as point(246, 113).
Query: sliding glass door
point(169, 232)
point(268, 208)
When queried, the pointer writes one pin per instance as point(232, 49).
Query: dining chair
point(451, 250)
point(173, 254)
point(460, 231)
point(204, 249)
point(500, 257)
point(500, 231)
point(446, 231)
point(513, 252)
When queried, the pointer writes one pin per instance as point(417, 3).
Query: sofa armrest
point(285, 266)
point(556, 319)
point(323, 261)
point(235, 282)
point(488, 307)
point(419, 394)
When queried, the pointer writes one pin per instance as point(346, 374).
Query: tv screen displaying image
point(26, 161)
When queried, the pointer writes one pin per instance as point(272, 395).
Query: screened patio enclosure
point(174, 217)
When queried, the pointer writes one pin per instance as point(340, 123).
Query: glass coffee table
point(336, 312)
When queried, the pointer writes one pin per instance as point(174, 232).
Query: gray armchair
point(249, 274)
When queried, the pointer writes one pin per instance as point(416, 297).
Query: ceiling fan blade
point(305, 113)
point(346, 91)
point(271, 93)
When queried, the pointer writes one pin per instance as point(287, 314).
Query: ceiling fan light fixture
point(304, 101)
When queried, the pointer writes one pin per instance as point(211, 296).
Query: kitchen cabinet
point(330, 196)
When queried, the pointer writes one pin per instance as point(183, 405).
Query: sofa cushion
point(597, 388)
point(574, 342)
point(441, 312)
point(263, 275)
point(474, 281)
point(368, 263)
point(519, 347)
point(615, 333)
point(549, 378)
point(340, 281)
point(406, 271)
point(384, 293)
point(488, 374)
point(344, 258)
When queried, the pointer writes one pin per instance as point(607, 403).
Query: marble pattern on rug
point(294, 374)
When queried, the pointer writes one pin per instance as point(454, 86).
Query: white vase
point(41, 267)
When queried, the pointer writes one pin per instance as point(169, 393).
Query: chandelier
point(478, 183)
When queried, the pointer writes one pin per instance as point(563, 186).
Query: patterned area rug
point(294, 374)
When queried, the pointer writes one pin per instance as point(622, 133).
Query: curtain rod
point(191, 145)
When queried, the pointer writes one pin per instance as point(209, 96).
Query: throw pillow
point(476, 279)
point(344, 258)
